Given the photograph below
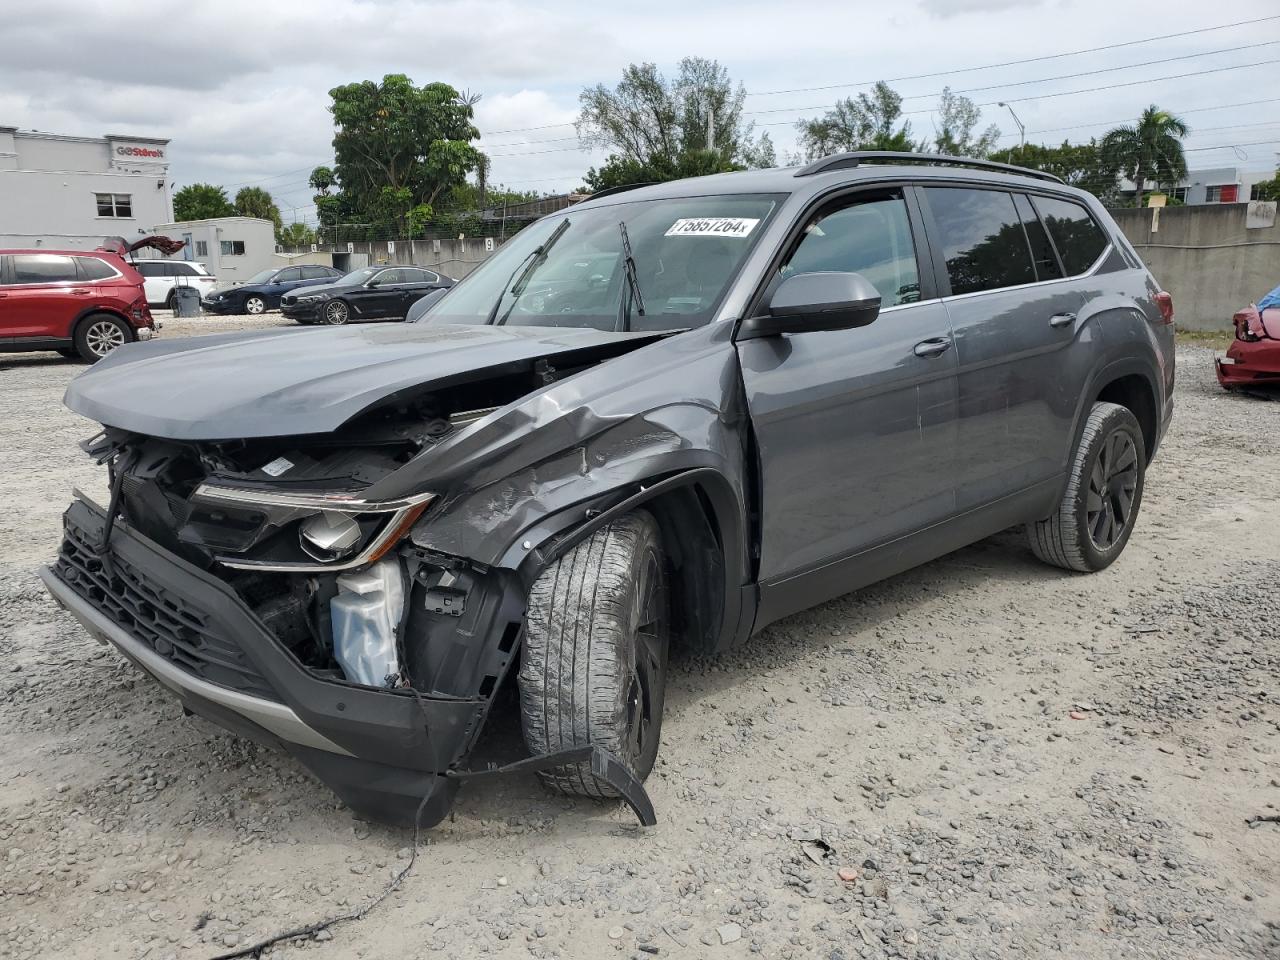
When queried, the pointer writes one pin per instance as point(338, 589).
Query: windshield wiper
point(633, 280)
point(523, 271)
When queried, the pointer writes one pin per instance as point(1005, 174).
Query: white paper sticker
point(712, 227)
point(277, 466)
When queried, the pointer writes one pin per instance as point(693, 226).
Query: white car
point(162, 276)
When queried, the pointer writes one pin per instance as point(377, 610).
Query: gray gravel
point(900, 772)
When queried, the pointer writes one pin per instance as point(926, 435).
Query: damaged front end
point(1252, 360)
point(269, 586)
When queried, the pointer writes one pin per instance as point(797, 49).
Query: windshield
point(360, 276)
point(261, 276)
point(685, 251)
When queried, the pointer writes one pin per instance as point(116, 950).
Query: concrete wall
point(1207, 257)
point(453, 258)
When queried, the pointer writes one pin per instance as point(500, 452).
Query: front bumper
point(380, 751)
point(302, 311)
point(220, 306)
point(1250, 363)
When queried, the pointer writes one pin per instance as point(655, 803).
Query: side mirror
point(810, 302)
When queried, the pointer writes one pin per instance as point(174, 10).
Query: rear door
point(1013, 318)
point(415, 283)
point(312, 276)
point(856, 428)
point(43, 295)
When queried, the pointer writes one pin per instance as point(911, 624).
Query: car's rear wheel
point(594, 662)
point(1104, 493)
point(255, 305)
point(99, 334)
point(336, 312)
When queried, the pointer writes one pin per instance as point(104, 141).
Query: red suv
point(76, 302)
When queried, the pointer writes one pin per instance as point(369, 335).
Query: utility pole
point(711, 125)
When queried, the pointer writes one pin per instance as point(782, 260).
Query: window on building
point(870, 237)
point(43, 268)
point(1222, 193)
point(118, 205)
point(1079, 240)
point(982, 239)
point(1213, 194)
point(202, 248)
point(233, 248)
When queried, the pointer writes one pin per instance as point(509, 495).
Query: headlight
point(336, 531)
point(314, 298)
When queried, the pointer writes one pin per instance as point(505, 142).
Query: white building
point(233, 249)
point(1212, 185)
point(73, 192)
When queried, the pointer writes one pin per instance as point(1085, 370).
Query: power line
point(1016, 63)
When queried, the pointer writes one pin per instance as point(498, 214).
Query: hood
point(290, 382)
point(322, 288)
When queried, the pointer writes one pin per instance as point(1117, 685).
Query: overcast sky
point(241, 87)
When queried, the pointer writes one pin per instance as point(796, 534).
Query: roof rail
point(847, 161)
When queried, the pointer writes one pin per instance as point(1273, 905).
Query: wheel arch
point(88, 313)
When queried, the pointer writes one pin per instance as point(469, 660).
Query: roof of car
point(61, 253)
point(791, 180)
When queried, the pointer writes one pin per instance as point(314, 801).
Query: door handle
point(81, 293)
point(933, 347)
point(1062, 320)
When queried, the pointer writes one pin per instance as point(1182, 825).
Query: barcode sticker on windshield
point(712, 227)
point(277, 466)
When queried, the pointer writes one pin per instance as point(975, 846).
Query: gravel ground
point(984, 757)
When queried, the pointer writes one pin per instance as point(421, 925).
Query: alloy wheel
point(1112, 484)
point(647, 670)
point(103, 337)
point(255, 305)
point(336, 312)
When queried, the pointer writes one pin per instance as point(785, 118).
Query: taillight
point(1165, 302)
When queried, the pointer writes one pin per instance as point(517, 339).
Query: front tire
point(594, 663)
point(1097, 514)
point(336, 313)
point(255, 306)
point(99, 334)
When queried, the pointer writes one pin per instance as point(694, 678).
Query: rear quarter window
point(91, 268)
point(1079, 239)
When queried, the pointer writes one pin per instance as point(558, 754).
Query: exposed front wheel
point(1104, 493)
point(99, 335)
point(594, 664)
point(255, 305)
point(336, 313)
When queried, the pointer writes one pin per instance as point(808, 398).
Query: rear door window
point(981, 238)
point(43, 268)
point(288, 275)
point(869, 236)
point(1042, 254)
point(91, 268)
point(315, 273)
point(1080, 241)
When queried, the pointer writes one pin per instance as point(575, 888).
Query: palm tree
point(1151, 149)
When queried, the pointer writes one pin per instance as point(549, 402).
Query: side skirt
point(800, 591)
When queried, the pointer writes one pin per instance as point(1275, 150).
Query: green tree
point(322, 180)
point(201, 201)
point(297, 235)
point(955, 125)
point(661, 128)
point(398, 147)
point(1150, 149)
point(867, 122)
point(256, 202)
point(1083, 165)
point(1267, 189)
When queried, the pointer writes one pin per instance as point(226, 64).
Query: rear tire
point(1104, 494)
point(594, 663)
point(99, 334)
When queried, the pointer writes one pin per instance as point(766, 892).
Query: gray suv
point(665, 417)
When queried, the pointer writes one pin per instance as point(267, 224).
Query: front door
point(380, 296)
point(856, 428)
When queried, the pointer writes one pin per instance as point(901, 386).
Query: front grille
point(170, 625)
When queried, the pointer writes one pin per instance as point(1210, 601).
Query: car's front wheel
point(594, 662)
point(255, 305)
point(336, 313)
point(1093, 522)
point(99, 334)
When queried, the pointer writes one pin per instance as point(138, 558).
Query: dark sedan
point(262, 291)
point(370, 293)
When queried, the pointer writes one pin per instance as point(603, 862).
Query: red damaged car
point(1253, 359)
